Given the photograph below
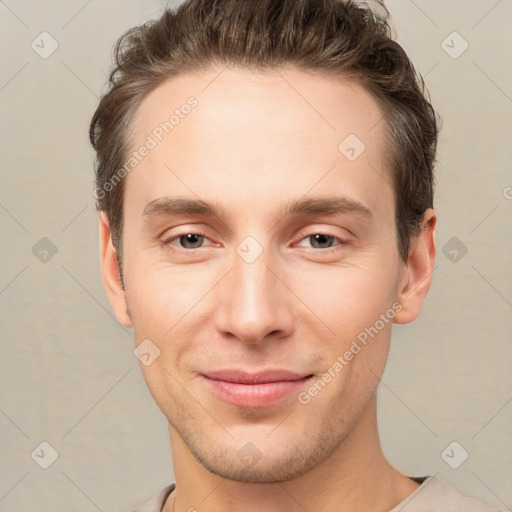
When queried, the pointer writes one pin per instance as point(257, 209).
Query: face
point(295, 262)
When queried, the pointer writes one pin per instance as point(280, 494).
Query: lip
point(257, 390)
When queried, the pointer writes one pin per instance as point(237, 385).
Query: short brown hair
point(340, 37)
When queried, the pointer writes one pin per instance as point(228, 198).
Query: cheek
point(348, 297)
point(161, 296)
point(357, 304)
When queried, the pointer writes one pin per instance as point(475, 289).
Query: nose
point(253, 302)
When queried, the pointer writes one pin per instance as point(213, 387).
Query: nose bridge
point(253, 304)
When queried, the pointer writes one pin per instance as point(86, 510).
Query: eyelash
point(168, 242)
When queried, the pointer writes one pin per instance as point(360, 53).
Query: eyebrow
point(330, 205)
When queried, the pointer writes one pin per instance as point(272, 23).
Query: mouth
point(255, 390)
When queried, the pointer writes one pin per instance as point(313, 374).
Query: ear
point(417, 272)
point(110, 273)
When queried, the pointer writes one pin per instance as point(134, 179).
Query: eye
point(187, 241)
point(321, 240)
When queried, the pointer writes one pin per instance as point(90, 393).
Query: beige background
point(68, 375)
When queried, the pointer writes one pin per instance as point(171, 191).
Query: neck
point(355, 477)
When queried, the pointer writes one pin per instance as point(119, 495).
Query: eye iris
point(191, 238)
point(323, 239)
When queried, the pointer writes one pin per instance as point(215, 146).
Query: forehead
point(285, 101)
point(259, 134)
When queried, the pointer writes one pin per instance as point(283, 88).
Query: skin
point(251, 146)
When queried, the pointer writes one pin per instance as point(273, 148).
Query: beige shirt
point(433, 495)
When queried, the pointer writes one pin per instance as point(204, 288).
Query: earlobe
point(110, 272)
point(417, 273)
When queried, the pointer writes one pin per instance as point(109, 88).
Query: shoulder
point(156, 503)
point(436, 495)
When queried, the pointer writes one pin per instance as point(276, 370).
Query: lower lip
point(254, 395)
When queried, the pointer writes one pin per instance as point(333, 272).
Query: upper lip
point(261, 377)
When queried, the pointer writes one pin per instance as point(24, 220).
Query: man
point(265, 189)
